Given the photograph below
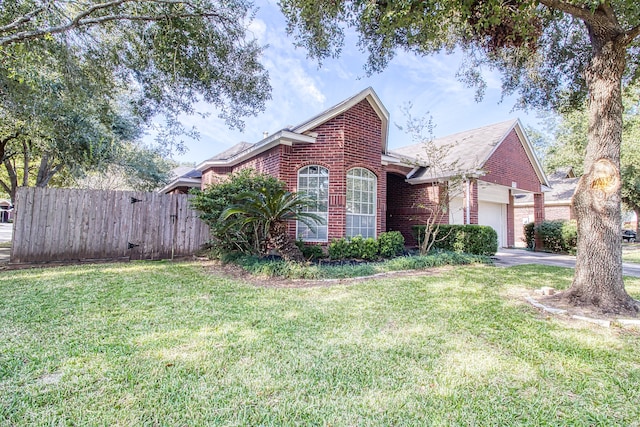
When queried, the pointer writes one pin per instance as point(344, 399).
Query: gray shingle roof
point(469, 150)
point(230, 152)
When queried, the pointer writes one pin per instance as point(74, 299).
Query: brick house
point(557, 203)
point(363, 188)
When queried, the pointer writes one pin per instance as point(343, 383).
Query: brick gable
point(509, 163)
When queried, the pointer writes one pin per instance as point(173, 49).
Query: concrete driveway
point(510, 257)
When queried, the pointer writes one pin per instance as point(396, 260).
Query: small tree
point(267, 212)
point(214, 199)
point(443, 170)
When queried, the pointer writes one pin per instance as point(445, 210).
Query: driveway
point(510, 257)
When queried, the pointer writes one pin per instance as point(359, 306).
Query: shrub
point(214, 199)
point(309, 251)
point(391, 244)
point(529, 235)
point(339, 249)
point(570, 236)
point(471, 239)
point(558, 236)
point(370, 249)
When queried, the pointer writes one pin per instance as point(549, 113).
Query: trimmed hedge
point(470, 239)
point(389, 244)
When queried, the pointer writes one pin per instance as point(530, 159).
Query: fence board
point(57, 225)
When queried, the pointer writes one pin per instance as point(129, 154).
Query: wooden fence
point(76, 225)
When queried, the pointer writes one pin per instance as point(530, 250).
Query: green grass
point(631, 252)
point(158, 343)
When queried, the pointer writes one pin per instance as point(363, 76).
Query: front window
point(314, 182)
point(361, 203)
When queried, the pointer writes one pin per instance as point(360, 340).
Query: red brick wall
point(510, 222)
point(352, 139)
point(410, 205)
point(555, 212)
point(509, 163)
point(473, 202)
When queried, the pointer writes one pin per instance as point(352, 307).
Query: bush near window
point(311, 252)
point(388, 245)
point(213, 200)
point(339, 249)
point(391, 244)
point(558, 236)
point(470, 238)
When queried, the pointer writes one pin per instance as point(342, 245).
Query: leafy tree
point(448, 177)
point(553, 53)
point(268, 212)
point(77, 79)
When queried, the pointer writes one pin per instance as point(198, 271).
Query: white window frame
point(362, 195)
point(302, 230)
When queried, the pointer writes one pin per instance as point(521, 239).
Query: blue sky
point(300, 90)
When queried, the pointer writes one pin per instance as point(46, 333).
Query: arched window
point(313, 180)
point(361, 203)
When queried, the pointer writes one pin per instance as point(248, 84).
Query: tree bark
point(281, 242)
point(598, 275)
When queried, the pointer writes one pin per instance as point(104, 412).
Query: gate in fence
point(53, 224)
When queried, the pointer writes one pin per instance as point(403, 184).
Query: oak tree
point(78, 78)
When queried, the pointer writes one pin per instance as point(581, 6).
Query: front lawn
point(631, 252)
point(159, 343)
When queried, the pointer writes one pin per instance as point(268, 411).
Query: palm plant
point(268, 212)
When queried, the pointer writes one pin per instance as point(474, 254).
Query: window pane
point(361, 203)
point(313, 181)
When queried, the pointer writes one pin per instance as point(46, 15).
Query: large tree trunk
point(598, 275)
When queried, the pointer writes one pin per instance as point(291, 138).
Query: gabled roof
point(236, 149)
point(300, 133)
point(368, 94)
point(237, 154)
point(468, 151)
point(563, 183)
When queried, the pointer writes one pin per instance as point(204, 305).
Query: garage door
point(494, 215)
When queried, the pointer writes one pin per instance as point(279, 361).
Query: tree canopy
point(79, 78)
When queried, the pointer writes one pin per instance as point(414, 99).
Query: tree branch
point(571, 9)
point(22, 20)
point(632, 34)
point(84, 19)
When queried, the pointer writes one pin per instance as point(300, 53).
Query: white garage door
point(494, 215)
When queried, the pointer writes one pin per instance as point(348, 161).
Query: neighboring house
point(6, 210)
point(183, 179)
point(557, 202)
point(341, 156)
